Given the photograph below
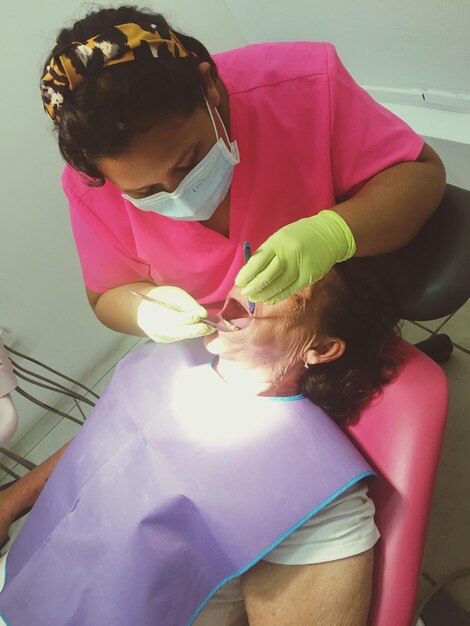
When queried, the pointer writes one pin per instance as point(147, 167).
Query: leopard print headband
point(118, 44)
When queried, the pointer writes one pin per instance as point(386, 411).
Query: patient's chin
point(208, 340)
point(217, 344)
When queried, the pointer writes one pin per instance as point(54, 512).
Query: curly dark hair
point(352, 304)
point(102, 115)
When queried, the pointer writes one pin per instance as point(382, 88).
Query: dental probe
point(247, 256)
point(178, 309)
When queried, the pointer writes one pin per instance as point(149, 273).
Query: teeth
point(230, 326)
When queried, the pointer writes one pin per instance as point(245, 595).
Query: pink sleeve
point(104, 261)
point(366, 138)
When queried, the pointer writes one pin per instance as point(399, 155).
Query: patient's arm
point(24, 492)
point(336, 592)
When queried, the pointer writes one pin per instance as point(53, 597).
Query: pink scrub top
point(308, 137)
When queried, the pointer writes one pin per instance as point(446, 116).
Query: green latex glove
point(296, 256)
point(164, 325)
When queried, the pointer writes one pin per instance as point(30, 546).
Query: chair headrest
point(430, 278)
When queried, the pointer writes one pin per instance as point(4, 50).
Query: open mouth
point(235, 315)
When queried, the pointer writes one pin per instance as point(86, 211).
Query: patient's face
point(276, 337)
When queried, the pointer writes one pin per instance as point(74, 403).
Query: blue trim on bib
point(2, 616)
point(289, 532)
point(299, 396)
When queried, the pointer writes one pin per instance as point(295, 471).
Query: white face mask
point(202, 190)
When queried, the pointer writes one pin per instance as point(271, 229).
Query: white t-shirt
point(343, 528)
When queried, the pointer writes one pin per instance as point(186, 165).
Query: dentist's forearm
point(392, 206)
point(117, 308)
point(176, 316)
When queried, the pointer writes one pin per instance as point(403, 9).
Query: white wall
point(418, 45)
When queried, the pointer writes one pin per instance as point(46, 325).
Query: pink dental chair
point(401, 435)
point(401, 432)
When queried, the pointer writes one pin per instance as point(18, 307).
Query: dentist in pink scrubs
point(175, 158)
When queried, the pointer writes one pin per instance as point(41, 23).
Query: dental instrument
point(178, 309)
point(247, 256)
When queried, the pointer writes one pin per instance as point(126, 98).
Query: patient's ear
point(325, 351)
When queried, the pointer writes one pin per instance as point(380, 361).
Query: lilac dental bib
point(176, 484)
